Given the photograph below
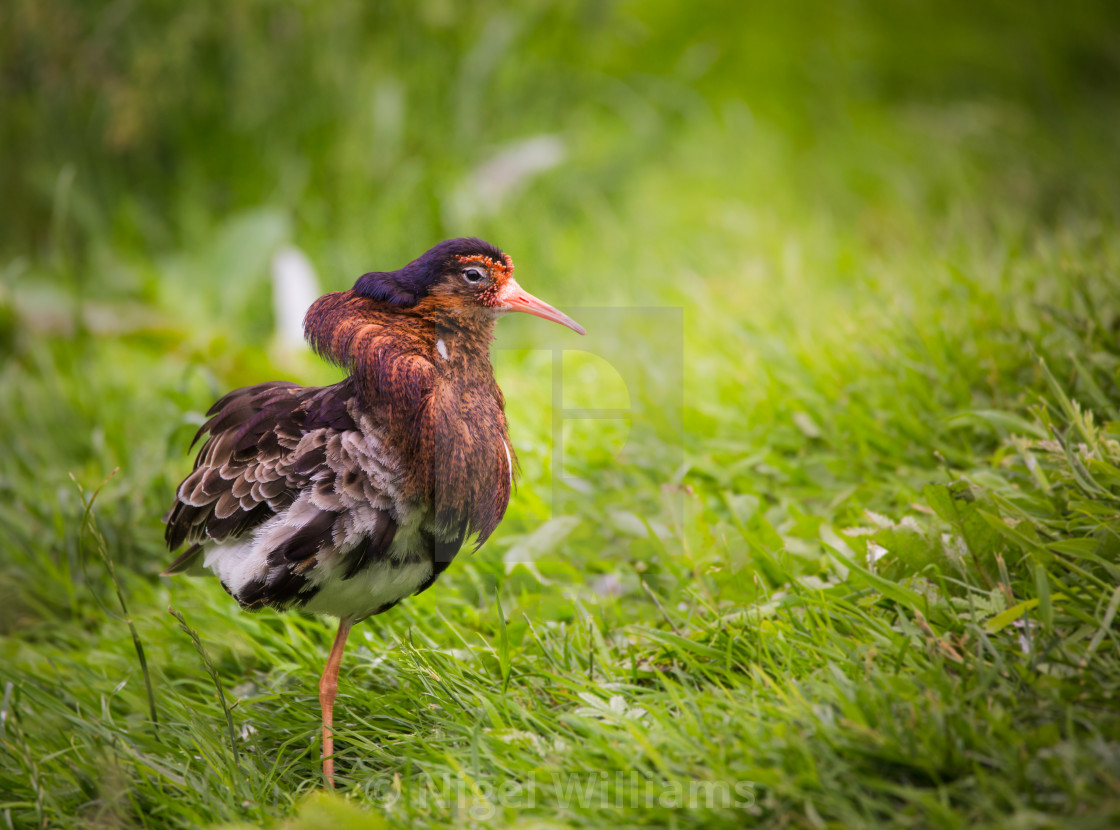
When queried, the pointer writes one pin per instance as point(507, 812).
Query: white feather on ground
point(294, 288)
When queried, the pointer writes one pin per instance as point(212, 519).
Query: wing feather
point(255, 461)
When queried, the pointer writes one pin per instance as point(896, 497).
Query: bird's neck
point(347, 329)
point(460, 342)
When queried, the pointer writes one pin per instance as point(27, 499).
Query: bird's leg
point(328, 688)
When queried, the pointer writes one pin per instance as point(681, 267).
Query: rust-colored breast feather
point(445, 418)
point(385, 356)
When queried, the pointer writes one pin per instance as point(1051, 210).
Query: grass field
point(872, 576)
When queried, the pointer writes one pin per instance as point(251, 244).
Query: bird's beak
point(516, 298)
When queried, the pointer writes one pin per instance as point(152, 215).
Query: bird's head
point(460, 276)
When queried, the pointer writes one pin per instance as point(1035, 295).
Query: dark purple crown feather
point(408, 285)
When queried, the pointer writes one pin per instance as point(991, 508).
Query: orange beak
point(516, 298)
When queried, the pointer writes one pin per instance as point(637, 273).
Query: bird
point(343, 500)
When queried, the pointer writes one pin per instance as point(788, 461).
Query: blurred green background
point(135, 131)
point(876, 218)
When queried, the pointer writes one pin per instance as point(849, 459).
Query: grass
point(867, 578)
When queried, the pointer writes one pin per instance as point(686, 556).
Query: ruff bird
point(343, 500)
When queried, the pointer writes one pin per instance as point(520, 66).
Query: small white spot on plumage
point(509, 460)
point(441, 347)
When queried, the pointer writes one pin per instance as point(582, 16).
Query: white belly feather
point(239, 563)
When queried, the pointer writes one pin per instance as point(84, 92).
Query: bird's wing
point(264, 445)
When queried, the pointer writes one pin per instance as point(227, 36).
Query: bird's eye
point(472, 275)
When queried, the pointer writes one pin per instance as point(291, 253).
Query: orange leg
point(328, 688)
